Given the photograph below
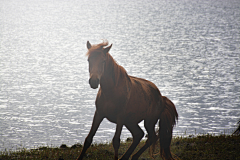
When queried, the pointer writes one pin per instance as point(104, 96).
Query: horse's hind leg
point(137, 134)
point(152, 137)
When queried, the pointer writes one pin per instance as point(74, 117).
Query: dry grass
point(200, 148)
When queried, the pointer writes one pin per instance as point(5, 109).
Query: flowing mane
point(116, 70)
point(97, 48)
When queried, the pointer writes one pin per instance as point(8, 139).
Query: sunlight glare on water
point(189, 49)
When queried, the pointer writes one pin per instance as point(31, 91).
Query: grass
point(202, 147)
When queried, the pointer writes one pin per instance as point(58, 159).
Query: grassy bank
point(200, 148)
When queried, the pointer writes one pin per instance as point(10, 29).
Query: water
point(189, 49)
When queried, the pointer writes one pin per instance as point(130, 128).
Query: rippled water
point(190, 49)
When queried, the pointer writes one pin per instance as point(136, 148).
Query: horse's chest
point(109, 108)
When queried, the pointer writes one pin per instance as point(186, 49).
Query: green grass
point(204, 147)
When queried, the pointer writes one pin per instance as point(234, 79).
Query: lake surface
point(189, 48)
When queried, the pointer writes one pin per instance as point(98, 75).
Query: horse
point(126, 101)
point(237, 131)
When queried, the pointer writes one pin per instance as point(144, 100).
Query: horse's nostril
point(89, 80)
point(94, 82)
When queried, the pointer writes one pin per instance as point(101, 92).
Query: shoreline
point(191, 147)
point(227, 132)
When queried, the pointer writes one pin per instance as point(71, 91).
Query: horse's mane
point(117, 71)
point(97, 47)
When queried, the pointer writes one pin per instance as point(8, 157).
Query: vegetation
point(202, 147)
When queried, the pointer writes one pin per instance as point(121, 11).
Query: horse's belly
point(112, 119)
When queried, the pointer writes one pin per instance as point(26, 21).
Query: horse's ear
point(106, 50)
point(88, 45)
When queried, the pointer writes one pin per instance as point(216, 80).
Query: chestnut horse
point(127, 100)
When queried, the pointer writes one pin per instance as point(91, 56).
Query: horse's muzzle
point(94, 82)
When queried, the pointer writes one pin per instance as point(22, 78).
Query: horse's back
point(145, 87)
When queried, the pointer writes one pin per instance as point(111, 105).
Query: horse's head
point(96, 59)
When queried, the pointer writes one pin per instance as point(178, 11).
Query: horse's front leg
point(96, 122)
point(116, 140)
point(137, 134)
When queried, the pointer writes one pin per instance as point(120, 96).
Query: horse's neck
point(112, 74)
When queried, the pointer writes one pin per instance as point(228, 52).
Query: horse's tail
point(237, 131)
point(168, 119)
